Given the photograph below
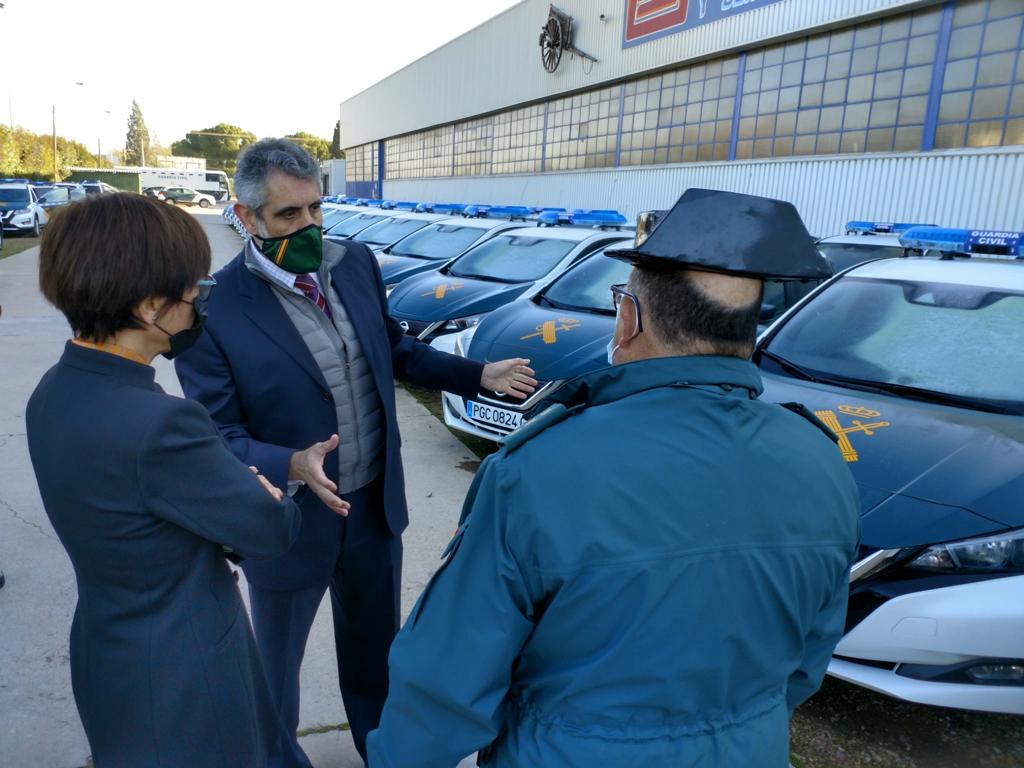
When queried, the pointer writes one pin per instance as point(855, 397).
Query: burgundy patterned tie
point(307, 285)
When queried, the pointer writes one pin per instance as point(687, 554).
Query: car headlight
point(22, 211)
point(462, 323)
point(987, 554)
point(463, 339)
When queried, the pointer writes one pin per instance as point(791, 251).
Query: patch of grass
point(322, 729)
point(431, 400)
point(13, 245)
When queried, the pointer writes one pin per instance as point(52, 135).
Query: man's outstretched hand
point(512, 377)
point(308, 467)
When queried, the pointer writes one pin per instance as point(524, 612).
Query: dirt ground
point(847, 726)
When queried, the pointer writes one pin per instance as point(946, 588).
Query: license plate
point(501, 418)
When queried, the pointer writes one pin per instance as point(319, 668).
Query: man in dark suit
point(297, 369)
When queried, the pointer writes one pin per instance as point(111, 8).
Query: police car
point(563, 328)
point(426, 249)
point(489, 275)
point(335, 213)
point(354, 224)
point(398, 225)
point(863, 241)
point(916, 365)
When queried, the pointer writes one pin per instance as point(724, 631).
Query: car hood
point(927, 473)
point(437, 296)
point(559, 343)
point(395, 269)
point(7, 205)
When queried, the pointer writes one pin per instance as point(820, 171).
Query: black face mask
point(182, 340)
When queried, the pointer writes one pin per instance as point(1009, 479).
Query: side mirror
point(768, 313)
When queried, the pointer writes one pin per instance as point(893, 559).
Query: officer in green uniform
point(653, 572)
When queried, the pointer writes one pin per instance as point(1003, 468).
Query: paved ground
point(39, 725)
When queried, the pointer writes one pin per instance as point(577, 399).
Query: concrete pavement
point(39, 724)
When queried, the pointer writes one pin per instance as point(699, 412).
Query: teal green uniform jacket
point(651, 573)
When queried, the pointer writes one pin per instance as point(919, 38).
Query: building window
point(473, 147)
point(857, 89)
point(983, 85)
point(361, 163)
point(517, 142)
point(581, 130)
point(680, 116)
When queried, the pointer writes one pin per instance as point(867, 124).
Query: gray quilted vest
point(339, 355)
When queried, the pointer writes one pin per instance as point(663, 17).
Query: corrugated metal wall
point(960, 188)
point(497, 65)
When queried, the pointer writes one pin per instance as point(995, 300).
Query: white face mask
point(612, 346)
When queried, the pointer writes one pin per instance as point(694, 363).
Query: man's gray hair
point(259, 160)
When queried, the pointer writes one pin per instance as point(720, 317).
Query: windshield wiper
point(932, 396)
point(887, 388)
point(571, 307)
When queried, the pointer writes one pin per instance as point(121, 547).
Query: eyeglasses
point(202, 298)
point(618, 293)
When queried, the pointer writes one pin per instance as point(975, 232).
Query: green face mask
point(299, 253)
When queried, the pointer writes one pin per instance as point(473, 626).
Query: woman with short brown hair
point(144, 496)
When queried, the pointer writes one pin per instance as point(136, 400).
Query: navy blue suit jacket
point(142, 493)
point(256, 377)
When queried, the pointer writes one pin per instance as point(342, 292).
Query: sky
point(267, 66)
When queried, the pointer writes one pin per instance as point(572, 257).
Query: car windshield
point(353, 224)
point(41, 190)
point(77, 193)
point(332, 216)
point(588, 285)
point(438, 241)
point(513, 258)
point(58, 195)
point(898, 335)
point(390, 231)
point(843, 255)
point(13, 195)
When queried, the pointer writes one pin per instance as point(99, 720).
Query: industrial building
point(868, 109)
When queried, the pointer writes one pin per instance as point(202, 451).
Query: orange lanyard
point(113, 349)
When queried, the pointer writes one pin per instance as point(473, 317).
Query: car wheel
point(35, 227)
point(169, 200)
point(204, 203)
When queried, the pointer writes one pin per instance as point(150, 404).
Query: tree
point(9, 157)
point(337, 153)
point(219, 144)
point(317, 147)
point(136, 148)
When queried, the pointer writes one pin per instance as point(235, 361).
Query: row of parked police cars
point(912, 353)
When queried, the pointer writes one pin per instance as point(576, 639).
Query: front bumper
point(23, 222)
point(920, 646)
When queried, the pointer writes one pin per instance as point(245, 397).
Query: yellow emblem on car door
point(861, 424)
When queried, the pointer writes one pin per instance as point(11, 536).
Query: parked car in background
point(61, 194)
point(186, 196)
point(355, 224)
point(98, 188)
point(498, 270)
point(864, 241)
point(435, 244)
point(20, 210)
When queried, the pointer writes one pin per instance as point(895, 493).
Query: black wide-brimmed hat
point(727, 232)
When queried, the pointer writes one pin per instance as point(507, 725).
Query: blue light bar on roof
point(552, 217)
point(476, 209)
point(404, 205)
point(880, 227)
point(968, 241)
point(509, 212)
point(598, 218)
point(449, 208)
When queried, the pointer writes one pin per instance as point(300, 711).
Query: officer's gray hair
point(687, 321)
point(259, 160)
